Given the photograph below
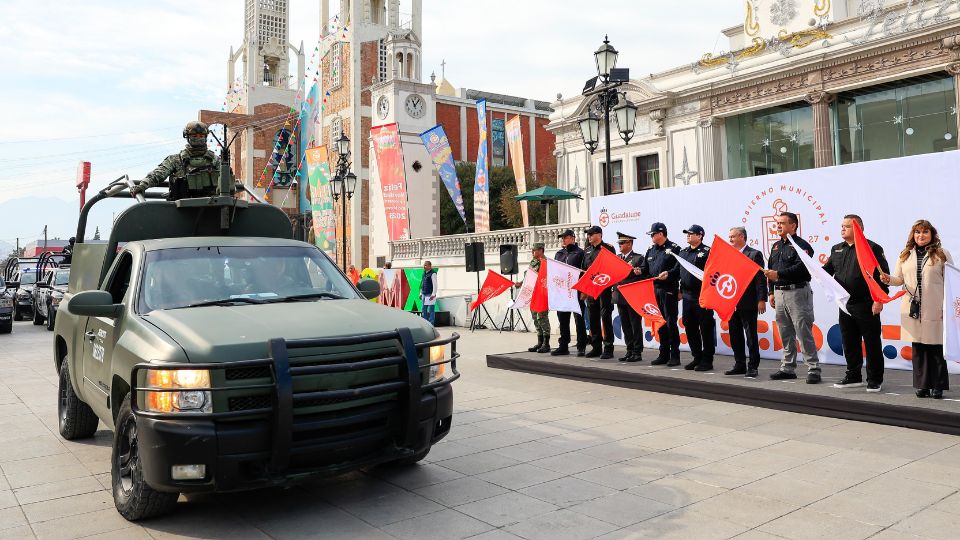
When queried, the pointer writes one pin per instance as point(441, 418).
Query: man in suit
point(743, 324)
point(630, 321)
point(571, 254)
point(600, 310)
point(699, 322)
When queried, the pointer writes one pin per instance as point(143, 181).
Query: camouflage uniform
point(541, 319)
point(193, 172)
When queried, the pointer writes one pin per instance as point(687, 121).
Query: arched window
point(410, 65)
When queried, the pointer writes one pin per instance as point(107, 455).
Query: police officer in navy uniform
point(699, 323)
point(630, 321)
point(571, 254)
point(664, 268)
point(601, 309)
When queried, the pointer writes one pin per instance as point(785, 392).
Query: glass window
point(902, 118)
point(181, 277)
point(768, 141)
point(615, 184)
point(648, 172)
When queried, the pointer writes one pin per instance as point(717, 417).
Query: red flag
point(606, 270)
point(868, 264)
point(540, 301)
point(493, 286)
point(726, 276)
point(642, 299)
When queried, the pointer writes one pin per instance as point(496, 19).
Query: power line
point(19, 141)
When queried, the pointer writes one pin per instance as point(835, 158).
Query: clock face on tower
point(416, 106)
point(383, 107)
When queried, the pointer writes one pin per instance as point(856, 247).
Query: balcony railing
point(452, 245)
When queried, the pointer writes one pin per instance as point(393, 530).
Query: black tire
point(51, 315)
point(75, 418)
point(412, 459)
point(134, 499)
point(17, 316)
point(6, 328)
point(37, 317)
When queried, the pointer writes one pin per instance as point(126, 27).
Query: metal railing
point(452, 245)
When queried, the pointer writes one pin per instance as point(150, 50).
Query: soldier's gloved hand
point(138, 188)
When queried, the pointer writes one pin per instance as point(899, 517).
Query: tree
point(504, 209)
point(96, 234)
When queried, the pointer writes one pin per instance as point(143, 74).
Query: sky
point(113, 82)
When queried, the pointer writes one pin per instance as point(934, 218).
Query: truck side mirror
point(369, 288)
point(94, 304)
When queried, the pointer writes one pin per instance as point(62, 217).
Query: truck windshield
point(182, 277)
point(62, 278)
point(28, 278)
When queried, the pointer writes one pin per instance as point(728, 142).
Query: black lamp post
point(607, 98)
point(344, 183)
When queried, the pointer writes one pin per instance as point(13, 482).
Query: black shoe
point(936, 394)
point(848, 382)
point(545, 348)
point(607, 352)
point(581, 353)
point(873, 387)
point(560, 351)
point(813, 378)
point(736, 370)
point(751, 374)
point(782, 376)
point(626, 357)
point(692, 365)
point(704, 367)
point(659, 361)
point(635, 358)
point(594, 352)
point(674, 362)
point(923, 393)
point(536, 347)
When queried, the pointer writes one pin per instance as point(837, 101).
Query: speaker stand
point(478, 319)
point(510, 312)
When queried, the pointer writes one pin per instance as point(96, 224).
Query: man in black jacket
point(743, 324)
point(861, 328)
point(570, 254)
point(601, 309)
point(791, 296)
point(660, 265)
point(630, 321)
point(699, 323)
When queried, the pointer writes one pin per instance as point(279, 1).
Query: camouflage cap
point(195, 128)
point(537, 245)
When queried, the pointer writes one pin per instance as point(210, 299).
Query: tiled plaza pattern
point(528, 457)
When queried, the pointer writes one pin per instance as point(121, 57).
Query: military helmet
point(195, 128)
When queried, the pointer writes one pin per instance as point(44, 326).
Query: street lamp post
point(344, 182)
point(606, 99)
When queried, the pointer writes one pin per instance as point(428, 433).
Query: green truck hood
point(230, 333)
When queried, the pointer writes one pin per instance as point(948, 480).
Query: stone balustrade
point(438, 247)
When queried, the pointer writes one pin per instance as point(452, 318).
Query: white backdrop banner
point(890, 195)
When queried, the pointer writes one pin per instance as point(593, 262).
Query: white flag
point(560, 280)
point(689, 267)
point(833, 290)
point(526, 290)
point(951, 313)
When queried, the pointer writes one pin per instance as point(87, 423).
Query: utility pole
point(44, 238)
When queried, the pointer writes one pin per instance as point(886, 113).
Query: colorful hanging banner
point(321, 202)
point(481, 185)
point(439, 149)
point(515, 141)
point(309, 118)
point(393, 183)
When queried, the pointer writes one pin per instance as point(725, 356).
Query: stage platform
point(896, 405)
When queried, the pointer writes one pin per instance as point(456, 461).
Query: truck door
point(100, 337)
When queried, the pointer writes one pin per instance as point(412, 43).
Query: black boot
point(692, 365)
point(607, 352)
point(536, 347)
point(545, 348)
point(562, 350)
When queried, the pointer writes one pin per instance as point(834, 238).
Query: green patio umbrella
point(546, 195)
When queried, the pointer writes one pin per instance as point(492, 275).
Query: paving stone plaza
point(528, 457)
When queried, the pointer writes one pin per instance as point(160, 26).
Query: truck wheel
point(134, 499)
point(50, 317)
point(76, 419)
point(6, 328)
point(17, 316)
point(412, 459)
point(37, 317)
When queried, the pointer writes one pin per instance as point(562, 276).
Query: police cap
point(657, 227)
point(593, 230)
point(694, 229)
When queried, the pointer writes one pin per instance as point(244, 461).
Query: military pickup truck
point(48, 293)
point(226, 356)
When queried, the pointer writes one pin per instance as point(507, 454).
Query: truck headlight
point(6, 301)
point(437, 354)
point(185, 400)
